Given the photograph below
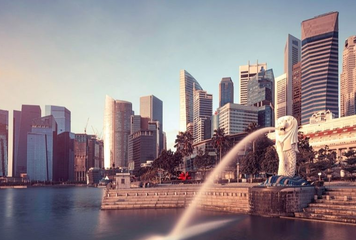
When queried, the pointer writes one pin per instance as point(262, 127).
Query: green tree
point(168, 161)
point(220, 142)
point(305, 155)
point(203, 161)
point(270, 162)
point(184, 144)
point(350, 162)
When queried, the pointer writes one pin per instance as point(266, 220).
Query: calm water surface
point(74, 213)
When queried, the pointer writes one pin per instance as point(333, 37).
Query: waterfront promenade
point(335, 201)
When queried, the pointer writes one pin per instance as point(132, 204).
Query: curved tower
point(116, 131)
point(187, 86)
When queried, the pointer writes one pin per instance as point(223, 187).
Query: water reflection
point(74, 213)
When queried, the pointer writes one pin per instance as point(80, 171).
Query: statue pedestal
point(275, 201)
point(284, 181)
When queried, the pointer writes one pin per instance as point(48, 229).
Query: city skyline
point(73, 53)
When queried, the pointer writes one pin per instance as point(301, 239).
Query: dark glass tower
point(319, 85)
point(4, 136)
point(226, 91)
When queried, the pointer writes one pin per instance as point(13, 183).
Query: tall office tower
point(61, 115)
point(152, 108)
point(320, 65)
point(81, 158)
point(261, 94)
point(22, 125)
point(297, 102)
point(142, 145)
point(203, 109)
point(4, 142)
point(292, 55)
point(63, 167)
point(187, 85)
point(348, 78)
point(226, 91)
point(116, 131)
point(246, 73)
point(235, 118)
point(281, 87)
point(41, 149)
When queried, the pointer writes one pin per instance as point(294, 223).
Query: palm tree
point(184, 144)
point(220, 141)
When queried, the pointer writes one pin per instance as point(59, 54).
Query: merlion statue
point(287, 145)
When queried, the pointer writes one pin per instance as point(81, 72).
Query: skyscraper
point(280, 104)
point(235, 118)
point(116, 131)
point(187, 86)
point(246, 73)
point(4, 142)
point(152, 108)
point(41, 149)
point(261, 94)
point(348, 78)
point(22, 125)
point(292, 55)
point(61, 115)
point(320, 65)
point(297, 105)
point(203, 109)
point(226, 91)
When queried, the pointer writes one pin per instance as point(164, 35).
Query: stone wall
point(279, 201)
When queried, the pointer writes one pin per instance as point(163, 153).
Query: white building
point(235, 118)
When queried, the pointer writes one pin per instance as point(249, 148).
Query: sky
point(72, 53)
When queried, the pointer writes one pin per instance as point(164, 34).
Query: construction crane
point(86, 125)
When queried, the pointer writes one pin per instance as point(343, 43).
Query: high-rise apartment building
point(297, 99)
point(187, 85)
point(292, 55)
point(41, 149)
point(22, 125)
point(117, 118)
point(4, 142)
point(246, 73)
point(320, 65)
point(226, 91)
point(348, 78)
point(62, 116)
point(261, 94)
point(235, 118)
point(203, 109)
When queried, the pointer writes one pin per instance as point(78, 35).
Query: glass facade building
point(246, 73)
point(117, 126)
point(320, 65)
point(41, 149)
point(348, 78)
point(297, 96)
point(4, 142)
point(187, 85)
point(226, 91)
point(261, 95)
point(62, 116)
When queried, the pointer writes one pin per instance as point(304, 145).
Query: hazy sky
point(72, 53)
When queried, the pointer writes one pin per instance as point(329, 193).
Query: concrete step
point(332, 211)
point(326, 217)
point(339, 197)
point(333, 206)
point(336, 202)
